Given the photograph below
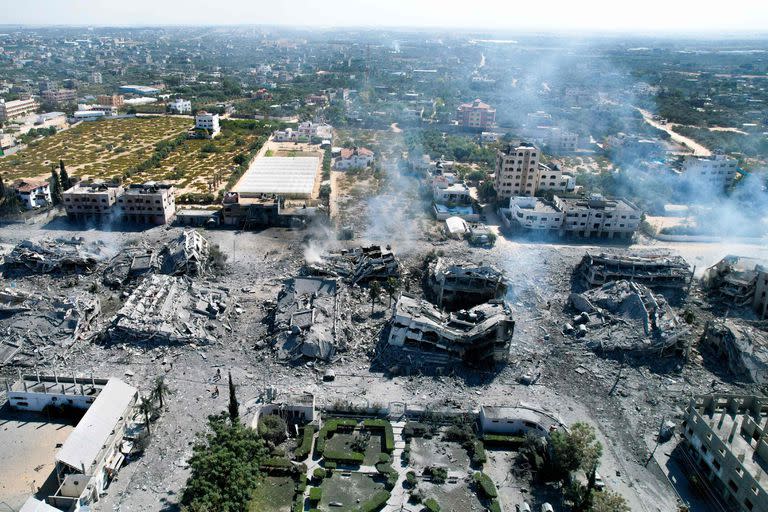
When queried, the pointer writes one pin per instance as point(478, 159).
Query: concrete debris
point(649, 321)
point(357, 265)
point(651, 270)
point(186, 255)
point(743, 346)
point(169, 310)
point(54, 256)
point(463, 285)
point(132, 262)
point(479, 335)
point(739, 281)
point(305, 320)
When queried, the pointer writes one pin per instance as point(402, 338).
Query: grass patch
point(274, 494)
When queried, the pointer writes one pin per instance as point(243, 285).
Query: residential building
point(309, 130)
point(96, 77)
point(16, 108)
point(726, 448)
point(288, 135)
point(518, 421)
point(33, 193)
point(717, 170)
point(535, 214)
point(517, 168)
point(354, 158)
point(180, 106)
point(91, 199)
point(476, 115)
point(293, 409)
point(458, 193)
point(552, 177)
point(114, 100)
point(151, 203)
point(59, 96)
point(205, 121)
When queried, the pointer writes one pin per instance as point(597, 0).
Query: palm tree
point(374, 291)
point(147, 408)
point(160, 390)
point(392, 285)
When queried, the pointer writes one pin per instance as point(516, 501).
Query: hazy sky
point(636, 16)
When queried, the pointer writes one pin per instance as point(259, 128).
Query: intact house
point(517, 420)
point(33, 193)
point(353, 158)
point(152, 203)
point(206, 125)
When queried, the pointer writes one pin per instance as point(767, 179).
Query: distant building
point(141, 90)
point(180, 106)
point(205, 121)
point(354, 158)
point(59, 96)
point(89, 115)
point(724, 437)
point(476, 115)
point(91, 200)
point(309, 129)
point(33, 193)
point(96, 77)
point(16, 108)
point(114, 100)
point(535, 214)
point(150, 203)
point(289, 135)
point(717, 170)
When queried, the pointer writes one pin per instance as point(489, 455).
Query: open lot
point(349, 489)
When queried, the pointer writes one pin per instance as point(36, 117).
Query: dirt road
point(697, 148)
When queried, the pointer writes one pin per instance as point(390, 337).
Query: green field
point(274, 494)
point(347, 490)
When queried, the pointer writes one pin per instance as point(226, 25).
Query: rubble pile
point(479, 335)
point(743, 346)
point(645, 319)
point(306, 319)
point(130, 263)
point(457, 285)
point(738, 281)
point(357, 265)
point(53, 256)
point(656, 271)
point(186, 255)
point(169, 310)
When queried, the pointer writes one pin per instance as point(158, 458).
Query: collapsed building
point(186, 255)
point(169, 310)
point(742, 346)
point(358, 265)
point(132, 262)
point(54, 256)
point(655, 271)
point(645, 321)
point(463, 285)
point(31, 324)
point(306, 319)
point(478, 335)
point(740, 281)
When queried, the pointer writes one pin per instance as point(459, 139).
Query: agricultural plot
point(101, 149)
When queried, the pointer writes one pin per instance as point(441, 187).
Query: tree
point(607, 501)
point(273, 428)
point(374, 290)
point(486, 191)
point(160, 390)
point(56, 196)
point(224, 467)
point(2, 188)
point(66, 181)
point(577, 449)
point(147, 409)
point(391, 285)
point(234, 407)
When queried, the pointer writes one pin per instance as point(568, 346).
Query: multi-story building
point(476, 115)
point(354, 158)
point(308, 129)
point(180, 106)
point(16, 108)
point(517, 170)
point(152, 203)
point(725, 445)
point(96, 77)
point(552, 177)
point(33, 193)
point(740, 281)
point(536, 214)
point(91, 200)
point(717, 170)
point(59, 96)
point(205, 121)
point(114, 100)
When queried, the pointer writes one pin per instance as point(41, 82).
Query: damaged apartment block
point(456, 286)
point(53, 256)
point(651, 270)
point(741, 282)
point(741, 345)
point(358, 265)
point(480, 335)
point(186, 255)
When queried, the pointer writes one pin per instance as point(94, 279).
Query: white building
point(515, 420)
point(180, 106)
point(296, 409)
point(208, 122)
point(33, 193)
point(535, 214)
point(16, 108)
point(717, 170)
point(354, 158)
point(457, 193)
point(96, 77)
point(553, 178)
point(89, 115)
point(309, 129)
point(289, 135)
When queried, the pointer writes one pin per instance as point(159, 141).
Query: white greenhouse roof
point(283, 175)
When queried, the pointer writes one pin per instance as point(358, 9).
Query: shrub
point(319, 473)
point(298, 505)
point(438, 474)
point(503, 439)
point(486, 484)
point(376, 501)
point(301, 486)
point(432, 505)
point(302, 451)
point(330, 465)
point(410, 477)
point(478, 453)
point(389, 436)
point(345, 457)
point(276, 462)
point(494, 506)
point(383, 457)
point(315, 494)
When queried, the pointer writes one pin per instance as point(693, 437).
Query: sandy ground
point(697, 148)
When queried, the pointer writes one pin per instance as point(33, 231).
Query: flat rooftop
point(287, 176)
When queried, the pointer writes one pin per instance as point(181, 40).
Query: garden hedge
point(486, 484)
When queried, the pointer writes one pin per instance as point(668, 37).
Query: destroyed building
point(740, 281)
point(306, 319)
point(186, 255)
point(54, 256)
point(479, 335)
point(169, 310)
point(651, 270)
point(624, 315)
point(358, 265)
point(742, 346)
point(132, 262)
point(453, 285)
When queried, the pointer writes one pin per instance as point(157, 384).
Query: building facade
point(354, 158)
point(33, 193)
point(114, 100)
point(150, 203)
point(476, 115)
point(517, 170)
point(16, 108)
point(59, 96)
point(205, 121)
point(717, 171)
point(91, 200)
point(180, 106)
